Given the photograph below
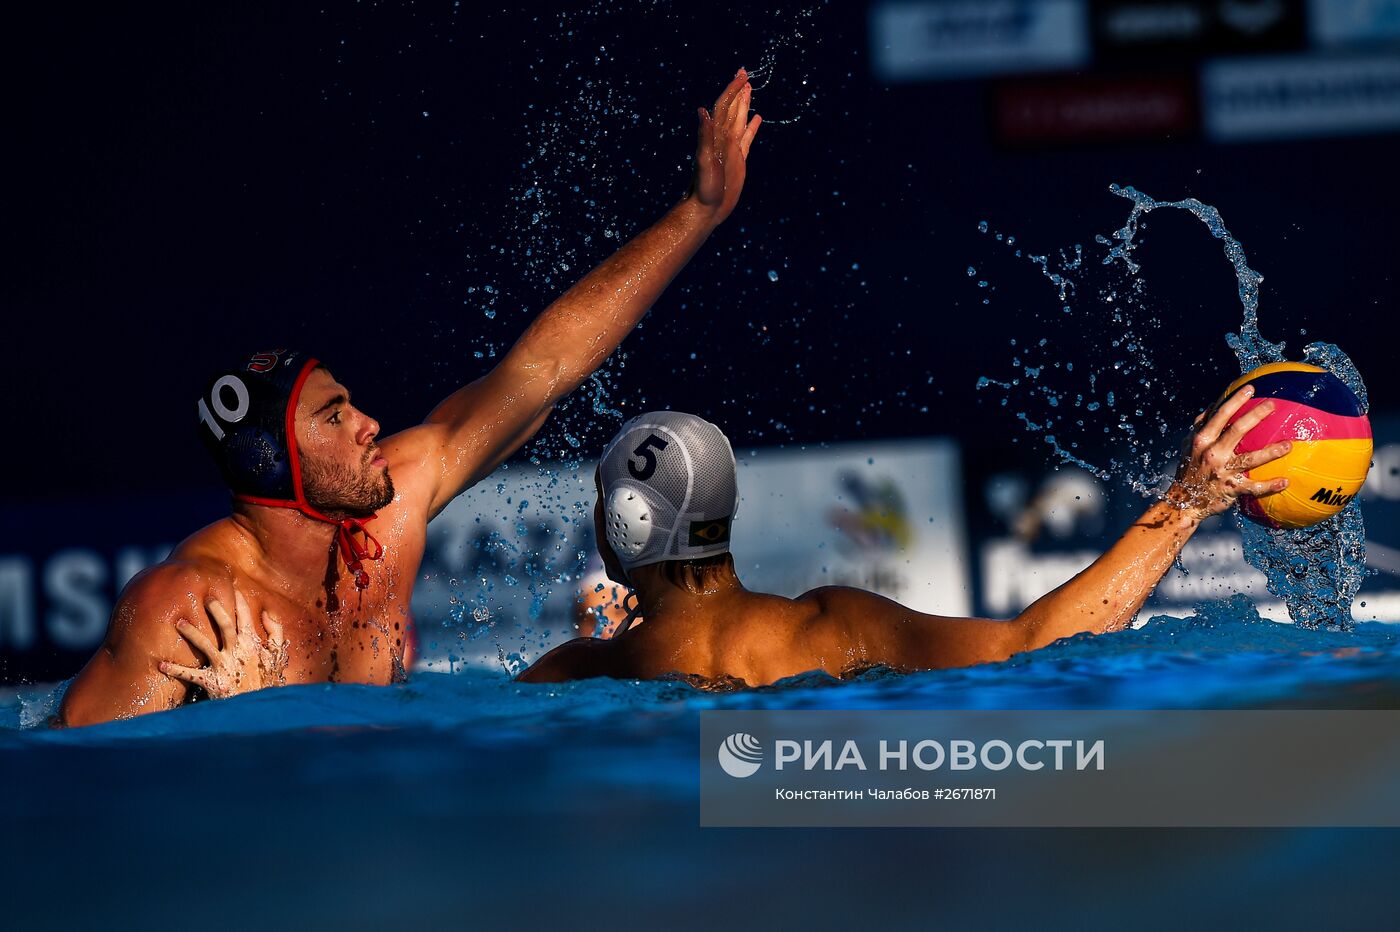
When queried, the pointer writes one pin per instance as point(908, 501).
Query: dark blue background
point(190, 183)
point(186, 182)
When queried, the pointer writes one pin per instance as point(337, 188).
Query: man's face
point(611, 564)
point(343, 472)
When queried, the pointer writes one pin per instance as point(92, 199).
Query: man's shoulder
point(175, 577)
point(831, 595)
point(577, 659)
point(156, 597)
point(840, 604)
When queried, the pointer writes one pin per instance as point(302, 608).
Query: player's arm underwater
point(1106, 596)
point(471, 432)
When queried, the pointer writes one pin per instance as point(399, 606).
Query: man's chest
point(351, 647)
point(357, 635)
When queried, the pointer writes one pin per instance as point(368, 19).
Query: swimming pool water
point(1223, 656)
point(461, 798)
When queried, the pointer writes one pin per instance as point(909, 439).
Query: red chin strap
point(352, 551)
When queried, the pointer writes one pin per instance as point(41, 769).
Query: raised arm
point(479, 426)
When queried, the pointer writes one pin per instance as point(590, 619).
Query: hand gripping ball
point(1331, 443)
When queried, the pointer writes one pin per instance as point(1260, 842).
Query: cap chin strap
point(632, 610)
point(352, 551)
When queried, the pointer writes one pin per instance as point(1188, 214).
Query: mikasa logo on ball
point(1328, 497)
point(740, 755)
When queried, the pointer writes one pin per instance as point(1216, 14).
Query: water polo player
point(311, 577)
point(667, 492)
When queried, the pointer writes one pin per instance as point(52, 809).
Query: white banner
point(1277, 98)
point(1353, 22)
point(913, 41)
point(887, 517)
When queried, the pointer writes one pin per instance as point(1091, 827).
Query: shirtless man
point(667, 492)
point(323, 547)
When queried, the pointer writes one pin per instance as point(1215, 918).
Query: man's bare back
point(724, 633)
point(667, 492)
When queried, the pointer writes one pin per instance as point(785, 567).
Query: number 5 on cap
point(648, 465)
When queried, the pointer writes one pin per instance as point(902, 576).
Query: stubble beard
point(339, 492)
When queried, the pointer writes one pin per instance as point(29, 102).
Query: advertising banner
point(1134, 31)
point(64, 563)
point(1252, 99)
point(929, 39)
point(1033, 529)
point(1353, 22)
point(1087, 109)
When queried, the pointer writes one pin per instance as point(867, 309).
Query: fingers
point(739, 110)
point(704, 146)
point(273, 628)
point(197, 639)
point(726, 96)
point(1246, 422)
point(201, 677)
point(1211, 432)
point(1247, 461)
point(1260, 489)
point(216, 611)
point(749, 133)
point(243, 616)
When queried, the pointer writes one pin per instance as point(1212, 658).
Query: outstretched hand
point(1212, 474)
point(244, 663)
point(723, 150)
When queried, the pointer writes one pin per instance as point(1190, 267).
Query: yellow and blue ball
point(1331, 443)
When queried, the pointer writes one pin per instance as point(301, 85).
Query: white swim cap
point(669, 489)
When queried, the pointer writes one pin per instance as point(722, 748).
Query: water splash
point(796, 42)
point(1249, 345)
point(1114, 372)
point(1316, 571)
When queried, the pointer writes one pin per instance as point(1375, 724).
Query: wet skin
point(706, 625)
point(282, 563)
point(285, 566)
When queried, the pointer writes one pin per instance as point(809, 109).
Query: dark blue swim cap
point(245, 420)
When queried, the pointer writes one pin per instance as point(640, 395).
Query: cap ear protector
point(628, 522)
